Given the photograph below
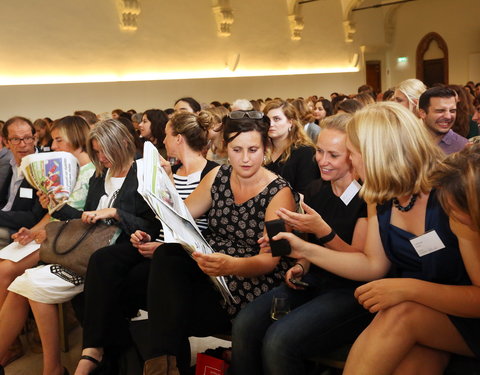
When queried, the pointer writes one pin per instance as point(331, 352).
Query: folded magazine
point(178, 224)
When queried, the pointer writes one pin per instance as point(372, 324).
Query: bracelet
point(323, 240)
point(303, 269)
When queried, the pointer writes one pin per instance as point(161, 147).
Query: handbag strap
point(82, 237)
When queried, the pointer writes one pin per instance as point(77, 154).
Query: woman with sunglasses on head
point(292, 154)
point(324, 314)
point(182, 301)
point(430, 307)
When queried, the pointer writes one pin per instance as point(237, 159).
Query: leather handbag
point(70, 243)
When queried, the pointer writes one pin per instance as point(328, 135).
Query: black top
point(340, 217)
point(132, 209)
point(299, 170)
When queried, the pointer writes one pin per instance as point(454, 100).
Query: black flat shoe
point(98, 364)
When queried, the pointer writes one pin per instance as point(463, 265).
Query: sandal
point(98, 364)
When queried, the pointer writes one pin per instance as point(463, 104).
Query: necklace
point(408, 207)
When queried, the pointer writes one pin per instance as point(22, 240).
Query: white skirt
point(49, 283)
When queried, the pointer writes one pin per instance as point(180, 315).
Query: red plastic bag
point(208, 365)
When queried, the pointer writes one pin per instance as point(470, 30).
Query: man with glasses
point(19, 202)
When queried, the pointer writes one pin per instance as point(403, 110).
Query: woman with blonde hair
point(408, 92)
point(429, 308)
point(325, 314)
point(292, 155)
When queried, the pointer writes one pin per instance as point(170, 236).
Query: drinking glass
point(280, 307)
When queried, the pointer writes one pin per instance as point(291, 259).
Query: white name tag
point(26, 193)
point(350, 192)
point(427, 243)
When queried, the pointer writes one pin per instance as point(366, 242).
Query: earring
point(289, 129)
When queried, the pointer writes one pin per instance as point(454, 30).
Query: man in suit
point(19, 202)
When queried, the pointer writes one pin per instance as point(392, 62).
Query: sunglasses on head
point(236, 115)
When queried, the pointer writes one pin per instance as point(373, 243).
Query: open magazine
point(53, 173)
point(178, 225)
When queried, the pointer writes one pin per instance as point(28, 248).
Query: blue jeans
point(319, 321)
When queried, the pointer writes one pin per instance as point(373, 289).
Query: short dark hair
point(192, 103)
point(434, 92)
point(233, 127)
point(12, 120)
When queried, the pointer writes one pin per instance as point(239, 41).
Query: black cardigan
point(132, 209)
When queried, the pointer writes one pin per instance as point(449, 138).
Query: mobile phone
point(279, 247)
point(298, 282)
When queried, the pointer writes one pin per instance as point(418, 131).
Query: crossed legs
point(408, 338)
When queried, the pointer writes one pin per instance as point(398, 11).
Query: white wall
point(59, 100)
point(456, 21)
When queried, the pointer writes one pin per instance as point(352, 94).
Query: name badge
point(427, 243)
point(350, 192)
point(26, 193)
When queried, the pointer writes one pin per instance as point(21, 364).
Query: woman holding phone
point(431, 307)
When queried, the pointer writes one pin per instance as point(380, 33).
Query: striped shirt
point(184, 186)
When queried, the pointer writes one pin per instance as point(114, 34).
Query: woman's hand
point(381, 294)
point(25, 236)
point(43, 199)
point(216, 264)
point(309, 222)
point(165, 164)
point(297, 245)
point(139, 237)
point(91, 217)
point(264, 243)
point(296, 272)
point(147, 249)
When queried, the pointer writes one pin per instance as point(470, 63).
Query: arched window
point(432, 60)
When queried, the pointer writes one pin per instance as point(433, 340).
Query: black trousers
point(182, 302)
point(115, 288)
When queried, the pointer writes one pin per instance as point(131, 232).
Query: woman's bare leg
point(421, 360)
point(46, 316)
point(13, 316)
point(386, 342)
point(10, 270)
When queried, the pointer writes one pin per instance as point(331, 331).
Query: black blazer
point(134, 212)
point(25, 212)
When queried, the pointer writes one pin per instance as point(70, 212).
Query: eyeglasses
point(16, 141)
point(236, 115)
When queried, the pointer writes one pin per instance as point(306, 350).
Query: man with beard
point(437, 109)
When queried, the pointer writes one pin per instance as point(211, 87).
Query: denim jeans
point(319, 321)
